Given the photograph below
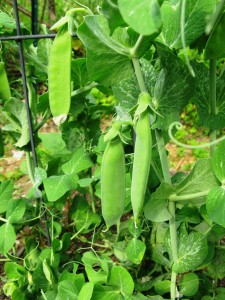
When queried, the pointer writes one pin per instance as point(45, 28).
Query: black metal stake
point(29, 116)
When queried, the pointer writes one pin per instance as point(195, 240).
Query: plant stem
point(212, 100)
point(175, 197)
point(140, 78)
point(171, 207)
point(84, 89)
point(166, 174)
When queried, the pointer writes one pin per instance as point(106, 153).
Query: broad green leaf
point(6, 192)
point(17, 111)
point(196, 13)
point(14, 271)
point(79, 73)
point(15, 210)
point(9, 287)
point(156, 208)
point(67, 290)
point(57, 186)
point(188, 214)
point(111, 11)
point(144, 16)
point(173, 90)
point(19, 294)
point(206, 118)
point(200, 179)
point(106, 56)
point(162, 287)
point(106, 293)
point(135, 251)
point(122, 279)
point(8, 238)
point(215, 205)
point(53, 144)
point(80, 161)
point(188, 286)
point(215, 47)
point(192, 250)
point(219, 162)
point(91, 262)
point(86, 291)
point(128, 91)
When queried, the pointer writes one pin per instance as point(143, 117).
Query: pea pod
point(142, 160)
point(59, 74)
point(5, 92)
point(113, 182)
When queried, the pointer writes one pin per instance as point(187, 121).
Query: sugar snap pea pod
point(113, 182)
point(142, 157)
point(59, 74)
point(5, 92)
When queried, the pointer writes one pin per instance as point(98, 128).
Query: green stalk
point(171, 207)
point(212, 100)
point(167, 178)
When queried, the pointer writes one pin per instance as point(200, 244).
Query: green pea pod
point(5, 92)
point(59, 74)
point(113, 182)
point(141, 163)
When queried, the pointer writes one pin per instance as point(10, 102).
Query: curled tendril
point(179, 126)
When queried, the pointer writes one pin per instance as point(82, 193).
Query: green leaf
point(193, 249)
point(144, 16)
point(106, 293)
point(106, 56)
point(173, 90)
point(79, 73)
point(215, 205)
point(17, 111)
point(112, 13)
point(80, 161)
point(219, 162)
point(67, 290)
point(6, 192)
point(128, 91)
point(189, 284)
point(96, 267)
point(15, 210)
point(156, 208)
point(215, 47)
point(135, 251)
point(48, 272)
point(53, 144)
point(14, 271)
point(206, 118)
point(57, 186)
point(86, 291)
point(120, 278)
point(196, 13)
point(200, 179)
point(162, 287)
point(8, 238)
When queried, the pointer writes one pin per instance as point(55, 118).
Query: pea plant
point(106, 218)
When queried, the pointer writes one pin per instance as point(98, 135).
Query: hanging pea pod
point(113, 176)
point(113, 182)
point(5, 92)
point(59, 74)
point(142, 155)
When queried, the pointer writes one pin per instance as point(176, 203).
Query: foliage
point(163, 240)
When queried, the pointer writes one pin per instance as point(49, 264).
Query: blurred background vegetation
point(49, 11)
